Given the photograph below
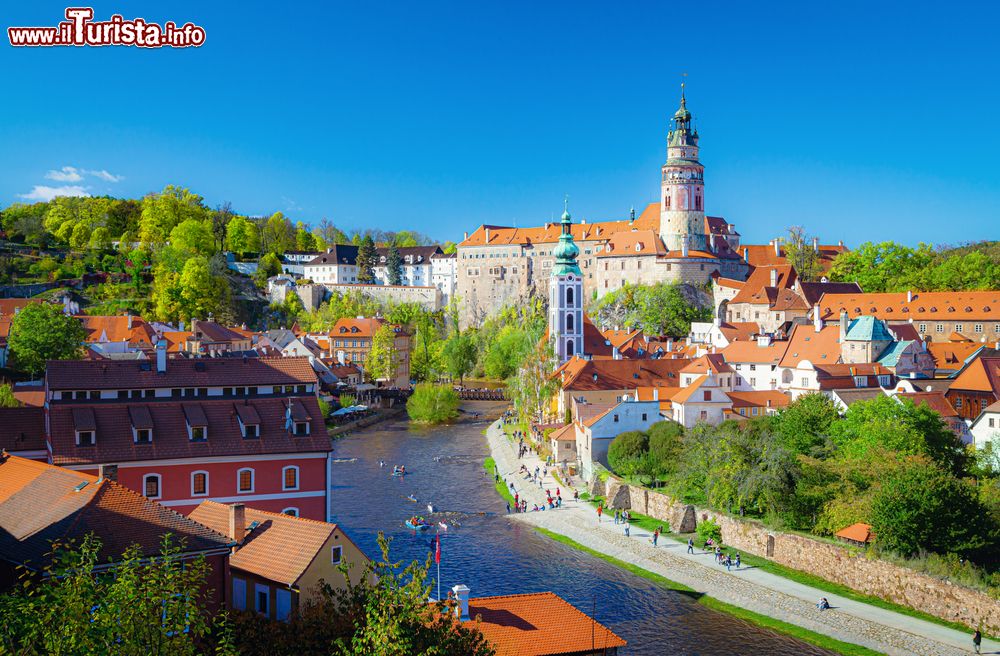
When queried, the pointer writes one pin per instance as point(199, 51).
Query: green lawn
point(490, 466)
point(805, 635)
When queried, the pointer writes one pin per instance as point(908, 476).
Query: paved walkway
point(850, 621)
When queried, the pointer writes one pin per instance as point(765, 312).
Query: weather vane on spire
point(683, 82)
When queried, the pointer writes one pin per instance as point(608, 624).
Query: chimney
point(670, 343)
point(843, 326)
point(746, 254)
point(817, 322)
point(717, 321)
point(128, 318)
point(815, 244)
point(237, 522)
point(615, 353)
point(774, 277)
point(840, 243)
point(656, 393)
point(461, 593)
point(909, 296)
point(711, 241)
point(108, 472)
point(684, 246)
point(161, 356)
point(466, 233)
point(777, 247)
point(487, 235)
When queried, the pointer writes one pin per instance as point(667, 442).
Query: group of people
point(727, 559)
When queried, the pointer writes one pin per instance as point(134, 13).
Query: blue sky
point(859, 121)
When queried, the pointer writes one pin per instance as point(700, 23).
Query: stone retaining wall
point(838, 564)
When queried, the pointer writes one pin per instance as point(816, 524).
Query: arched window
point(569, 348)
point(199, 484)
point(293, 512)
point(290, 478)
point(569, 297)
point(569, 323)
point(151, 486)
point(244, 480)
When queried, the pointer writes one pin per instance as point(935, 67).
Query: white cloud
point(46, 193)
point(104, 175)
point(65, 174)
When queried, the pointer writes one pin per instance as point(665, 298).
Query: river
point(495, 555)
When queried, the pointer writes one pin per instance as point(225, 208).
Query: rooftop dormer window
point(249, 421)
point(196, 422)
point(85, 426)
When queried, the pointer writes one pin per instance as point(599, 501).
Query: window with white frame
point(336, 553)
point(151, 486)
point(244, 480)
point(199, 483)
point(85, 438)
point(291, 512)
point(290, 478)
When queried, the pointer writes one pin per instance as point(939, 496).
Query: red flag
point(437, 551)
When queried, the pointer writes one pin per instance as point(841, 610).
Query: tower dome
point(566, 251)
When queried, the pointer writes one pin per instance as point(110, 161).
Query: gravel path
point(851, 621)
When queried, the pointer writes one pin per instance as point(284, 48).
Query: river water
point(495, 555)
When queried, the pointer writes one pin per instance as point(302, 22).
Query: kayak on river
point(399, 470)
point(418, 523)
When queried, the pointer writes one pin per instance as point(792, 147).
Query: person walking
point(690, 545)
point(600, 511)
point(616, 516)
point(626, 528)
point(656, 536)
point(508, 507)
point(729, 562)
point(977, 640)
point(737, 563)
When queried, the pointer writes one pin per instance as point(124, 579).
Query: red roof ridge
point(140, 497)
point(279, 515)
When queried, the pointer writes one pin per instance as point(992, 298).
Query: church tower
point(682, 188)
point(566, 295)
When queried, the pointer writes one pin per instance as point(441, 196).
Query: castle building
point(670, 241)
point(566, 296)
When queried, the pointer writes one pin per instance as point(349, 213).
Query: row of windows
point(178, 392)
point(195, 433)
point(245, 479)
point(282, 596)
point(939, 328)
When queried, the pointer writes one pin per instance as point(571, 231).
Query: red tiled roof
point(170, 437)
point(565, 434)
point(578, 374)
point(116, 329)
point(756, 289)
point(761, 255)
point(363, 327)
point(936, 401)
point(750, 352)
point(40, 503)
point(279, 549)
point(760, 399)
point(981, 374)
point(200, 372)
point(30, 395)
point(739, 330)
point(948, 355)
point(684, 394)
point(539, 624)
point(215, 332)
point(806, 344)
point(22, 429)
point(929, 306)
point(634, 242)
point(549, 233)
point(714, 362)
point(859, 532)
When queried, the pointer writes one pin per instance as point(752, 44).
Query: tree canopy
point(41, 332)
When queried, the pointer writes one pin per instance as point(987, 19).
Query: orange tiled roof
point(764, 255)
point(929, 306)
point(116, 329)
point(761, 399)
point(739, 330)
point(539, 624)
point(565, 434)
point(360, 327)
point(714, 362)
point(685, 393)
point(950, 354)
point(806, 344)
point(549, 233)
point(936, 401)
point(279, 549)
point(578, 374)
point(757, 284)
point(729, 282)
point(750, 352)
point(634, 242)
point(859, 532)
point(981, 374)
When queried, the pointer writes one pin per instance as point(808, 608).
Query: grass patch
point(778, 626)
point(490, 466)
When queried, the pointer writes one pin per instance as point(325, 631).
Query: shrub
point(347, 400)
point(709, 528)
point(626, 448)
point(433, 404)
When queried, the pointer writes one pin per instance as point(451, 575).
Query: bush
point(665, 444)
point(433, 404)
point(626, 449)
point(347, 400)
point(709, 529)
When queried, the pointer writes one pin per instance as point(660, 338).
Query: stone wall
point(836, 563)
point(427, 297)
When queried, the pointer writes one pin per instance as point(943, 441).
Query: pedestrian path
point(747, 587)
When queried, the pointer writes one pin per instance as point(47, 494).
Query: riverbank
point(747, 588)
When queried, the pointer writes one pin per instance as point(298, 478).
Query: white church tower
point(682, 197)
point(566, 295)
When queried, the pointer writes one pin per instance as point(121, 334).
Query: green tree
point(432, 404)
point(459, 356)
point(923, 507)
point(278, 235)
point(7, 399)
point(884, 267)
point(193, 237)
point(394, 266)
point(532, 386)
point(100, 238)
point(383, 358)
point(304, 239)
point(800, 254)
point(200, 292)
point(219, 220)
point(661, 309)
point(665, 444)
point(506, 352)
point(626, 448)
point(41, 332)
point(139, 606)
point(163, 211)
point(365, 260)
point(805, 424)
point(268, 265)
point(242, 236)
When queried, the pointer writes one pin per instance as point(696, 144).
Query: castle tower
point(682, 188)
point(566, 296)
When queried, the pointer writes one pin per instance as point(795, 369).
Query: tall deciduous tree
point(41, 332)
point(383, 358)
point(800, 253)
point(193, 237)
point(162, 211)
point(242, 236)
point(278, 235)
point(459, 355)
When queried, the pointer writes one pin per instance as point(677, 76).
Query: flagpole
point(439, 577)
